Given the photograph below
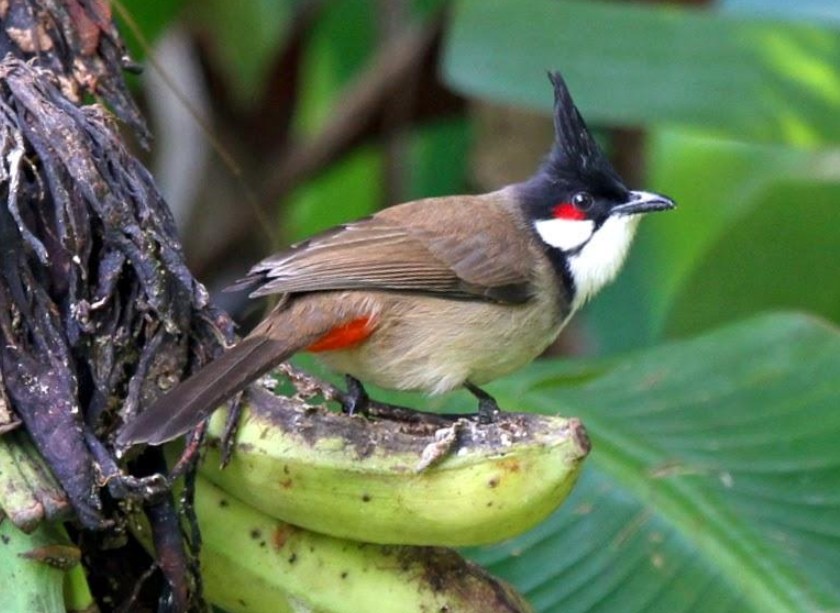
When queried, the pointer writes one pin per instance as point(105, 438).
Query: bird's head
point(579, 207)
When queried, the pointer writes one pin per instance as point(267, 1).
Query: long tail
point(195, 398)
point(290, 327)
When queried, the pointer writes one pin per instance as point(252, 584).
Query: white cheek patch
point(600, 260)
point(565, 234)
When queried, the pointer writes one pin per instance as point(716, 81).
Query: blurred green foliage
point(341, 41)
point(246, 36)
point(630, 63)
point(352, 188)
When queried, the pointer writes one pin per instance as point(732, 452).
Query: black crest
point(575, 150)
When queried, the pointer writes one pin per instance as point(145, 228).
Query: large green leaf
point(784, 254)
point(750, 218)
point(714, 481)
point(717, 184)
point(810, 10)
point(633, 63)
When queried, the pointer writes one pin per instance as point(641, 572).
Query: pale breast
point(435, 345)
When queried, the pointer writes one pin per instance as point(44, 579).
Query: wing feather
point(405, 250)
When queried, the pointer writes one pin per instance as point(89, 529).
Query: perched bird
point(433, 294)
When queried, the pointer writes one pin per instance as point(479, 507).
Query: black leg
point(357, 399)
point(488, 410)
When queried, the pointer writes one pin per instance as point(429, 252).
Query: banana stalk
point(388, 482)
point(253, 563)
point(77, 595)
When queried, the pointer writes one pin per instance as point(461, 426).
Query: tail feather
point(195, 398)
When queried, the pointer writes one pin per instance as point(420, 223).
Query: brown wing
point(410, 248)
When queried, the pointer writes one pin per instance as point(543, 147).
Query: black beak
point(644, 202)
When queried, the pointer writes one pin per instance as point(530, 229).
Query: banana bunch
point(253, 563)
point(390, 483)
point(319, 512)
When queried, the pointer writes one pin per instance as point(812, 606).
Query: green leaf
point(633, 63)
point(811, 10)
point(717, 185)
point(714, 481)
point(784, 254)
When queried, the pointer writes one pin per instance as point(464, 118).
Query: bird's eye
point(583, 200)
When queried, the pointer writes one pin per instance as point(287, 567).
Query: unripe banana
point(33, 566)
point(370, 481)
point(252, 563)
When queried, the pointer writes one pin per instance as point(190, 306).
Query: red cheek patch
point(566, 210)
point(344, 335)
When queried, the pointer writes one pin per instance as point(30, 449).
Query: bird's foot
point(356, 401)
point(488, 409)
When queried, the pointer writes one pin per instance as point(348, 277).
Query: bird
point(434, 294)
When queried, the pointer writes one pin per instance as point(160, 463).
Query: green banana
point(386, 482)
point(253, 563)
point(35, 555)
point(33, 566)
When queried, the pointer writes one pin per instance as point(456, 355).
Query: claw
point(357, 400)
point(488, 408)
